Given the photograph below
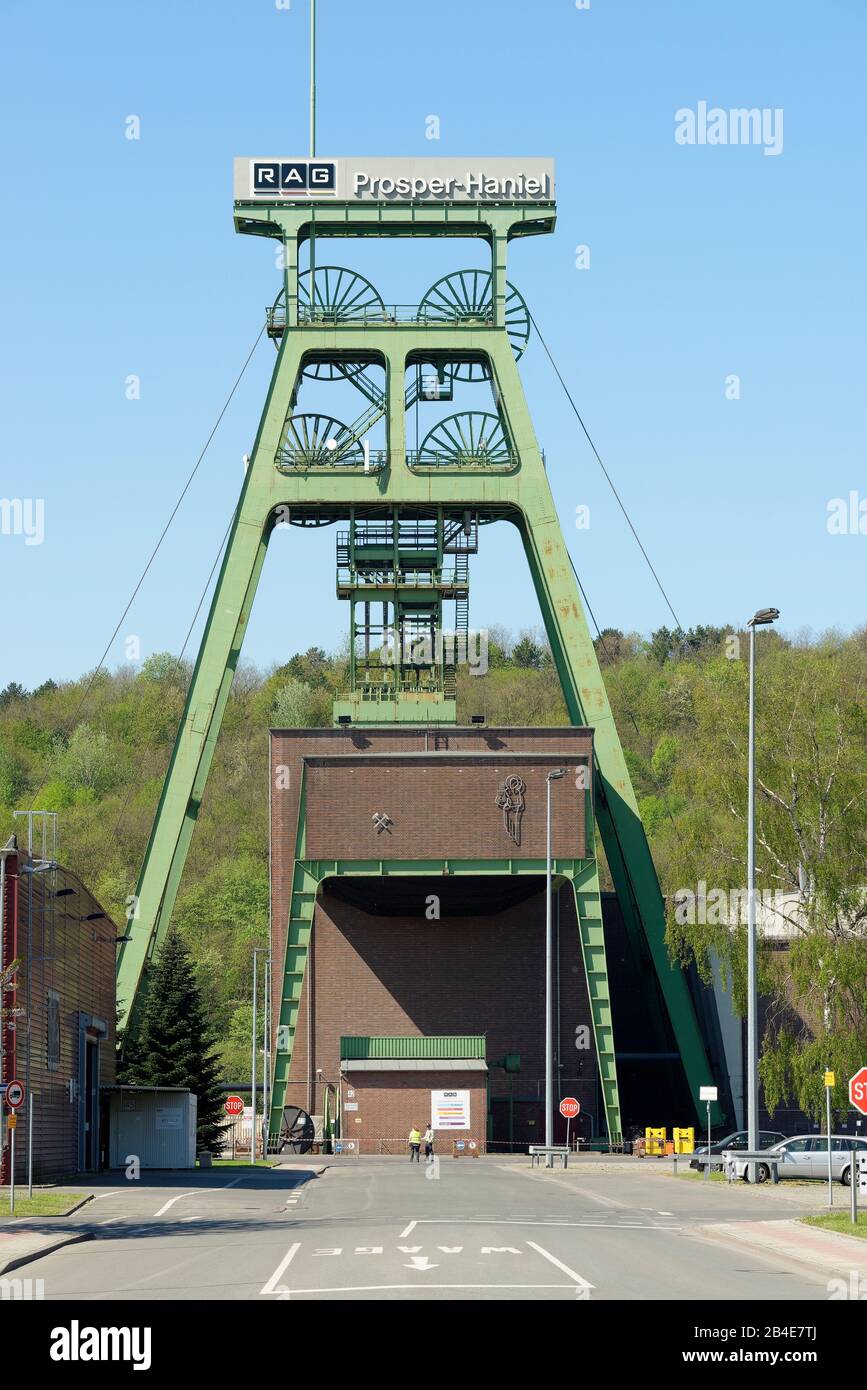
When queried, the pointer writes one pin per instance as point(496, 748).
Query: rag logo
point(285, 178)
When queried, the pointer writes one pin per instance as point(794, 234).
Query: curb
point(18, 1260)
point(68, 1238)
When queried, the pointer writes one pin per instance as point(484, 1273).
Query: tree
point(87, 763)
point(293, 705)
point(309, 667)
point(811, 847)
point(175, 1046)
point(609, 645)
point(163, 667)
point(13, 778)
point(528, 653)
point(12, 692)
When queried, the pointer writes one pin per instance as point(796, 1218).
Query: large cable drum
point(318, 441)
point(340, 295)
point(297, 1130)
point(466, 296)
point(468, 439)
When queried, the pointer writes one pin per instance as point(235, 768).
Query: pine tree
point(175, 1047)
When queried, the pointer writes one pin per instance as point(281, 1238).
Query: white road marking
point(171, 1202)
point(191, 1218)
point(109, 1219)
point(272, 1284)
point(546, 1254)
point(665, 1213)
point(623, 1224)
point(409, 1230)
point(421, 1263)
point(377, 1288)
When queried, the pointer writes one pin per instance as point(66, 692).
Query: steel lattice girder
point(520, 493)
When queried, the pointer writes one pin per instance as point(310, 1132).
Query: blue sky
point(705, 261)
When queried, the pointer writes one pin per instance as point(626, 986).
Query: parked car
point(807, 1157)
point(738, 1140)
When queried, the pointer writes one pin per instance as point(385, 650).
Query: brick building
point(58, 1029)
point(440, 934)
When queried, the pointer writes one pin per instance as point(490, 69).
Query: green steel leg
point(616, 809)
point(187, 774)
point(588, 904)
point(302, 908)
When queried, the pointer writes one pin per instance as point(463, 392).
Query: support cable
point(608, 477)
point(80, 706)
point(628, 711)
point(610, 481)
point(132, 788)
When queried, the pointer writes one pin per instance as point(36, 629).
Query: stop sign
point(234, 1105)
point(569, 1107)
point(858, 1090)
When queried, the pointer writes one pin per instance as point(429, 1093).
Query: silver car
point(807, 1157)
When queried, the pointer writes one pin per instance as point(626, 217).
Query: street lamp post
point(257, 952)
point(552, 776)
point(761, 619)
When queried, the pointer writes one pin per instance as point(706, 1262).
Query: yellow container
point(655, 1142)
point(684, 1141)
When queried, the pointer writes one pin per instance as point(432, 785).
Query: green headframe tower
point(409, 510)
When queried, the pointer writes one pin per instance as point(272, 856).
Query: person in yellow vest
point(414, 1142)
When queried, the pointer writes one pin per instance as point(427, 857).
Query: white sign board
point(279, 178)
point(707, 1093)
point(862, 1173)
point(168, 1119)
point(450, 1109)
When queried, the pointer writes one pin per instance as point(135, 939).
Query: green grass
point(40, 1204)
point(242, 1163)
point(839, 1221)
point(695, 1176)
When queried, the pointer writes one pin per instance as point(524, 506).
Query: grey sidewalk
point(21, 1245)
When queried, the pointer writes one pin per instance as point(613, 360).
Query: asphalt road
point(374, 1229)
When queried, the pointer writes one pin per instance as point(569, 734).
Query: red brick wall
point(390, 1103)
point(75, 958)
point(290, 746)
point(406, 976)
point(438, 807)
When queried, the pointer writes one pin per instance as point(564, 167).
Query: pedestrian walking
point(414, 1142)
point(428, 1145)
